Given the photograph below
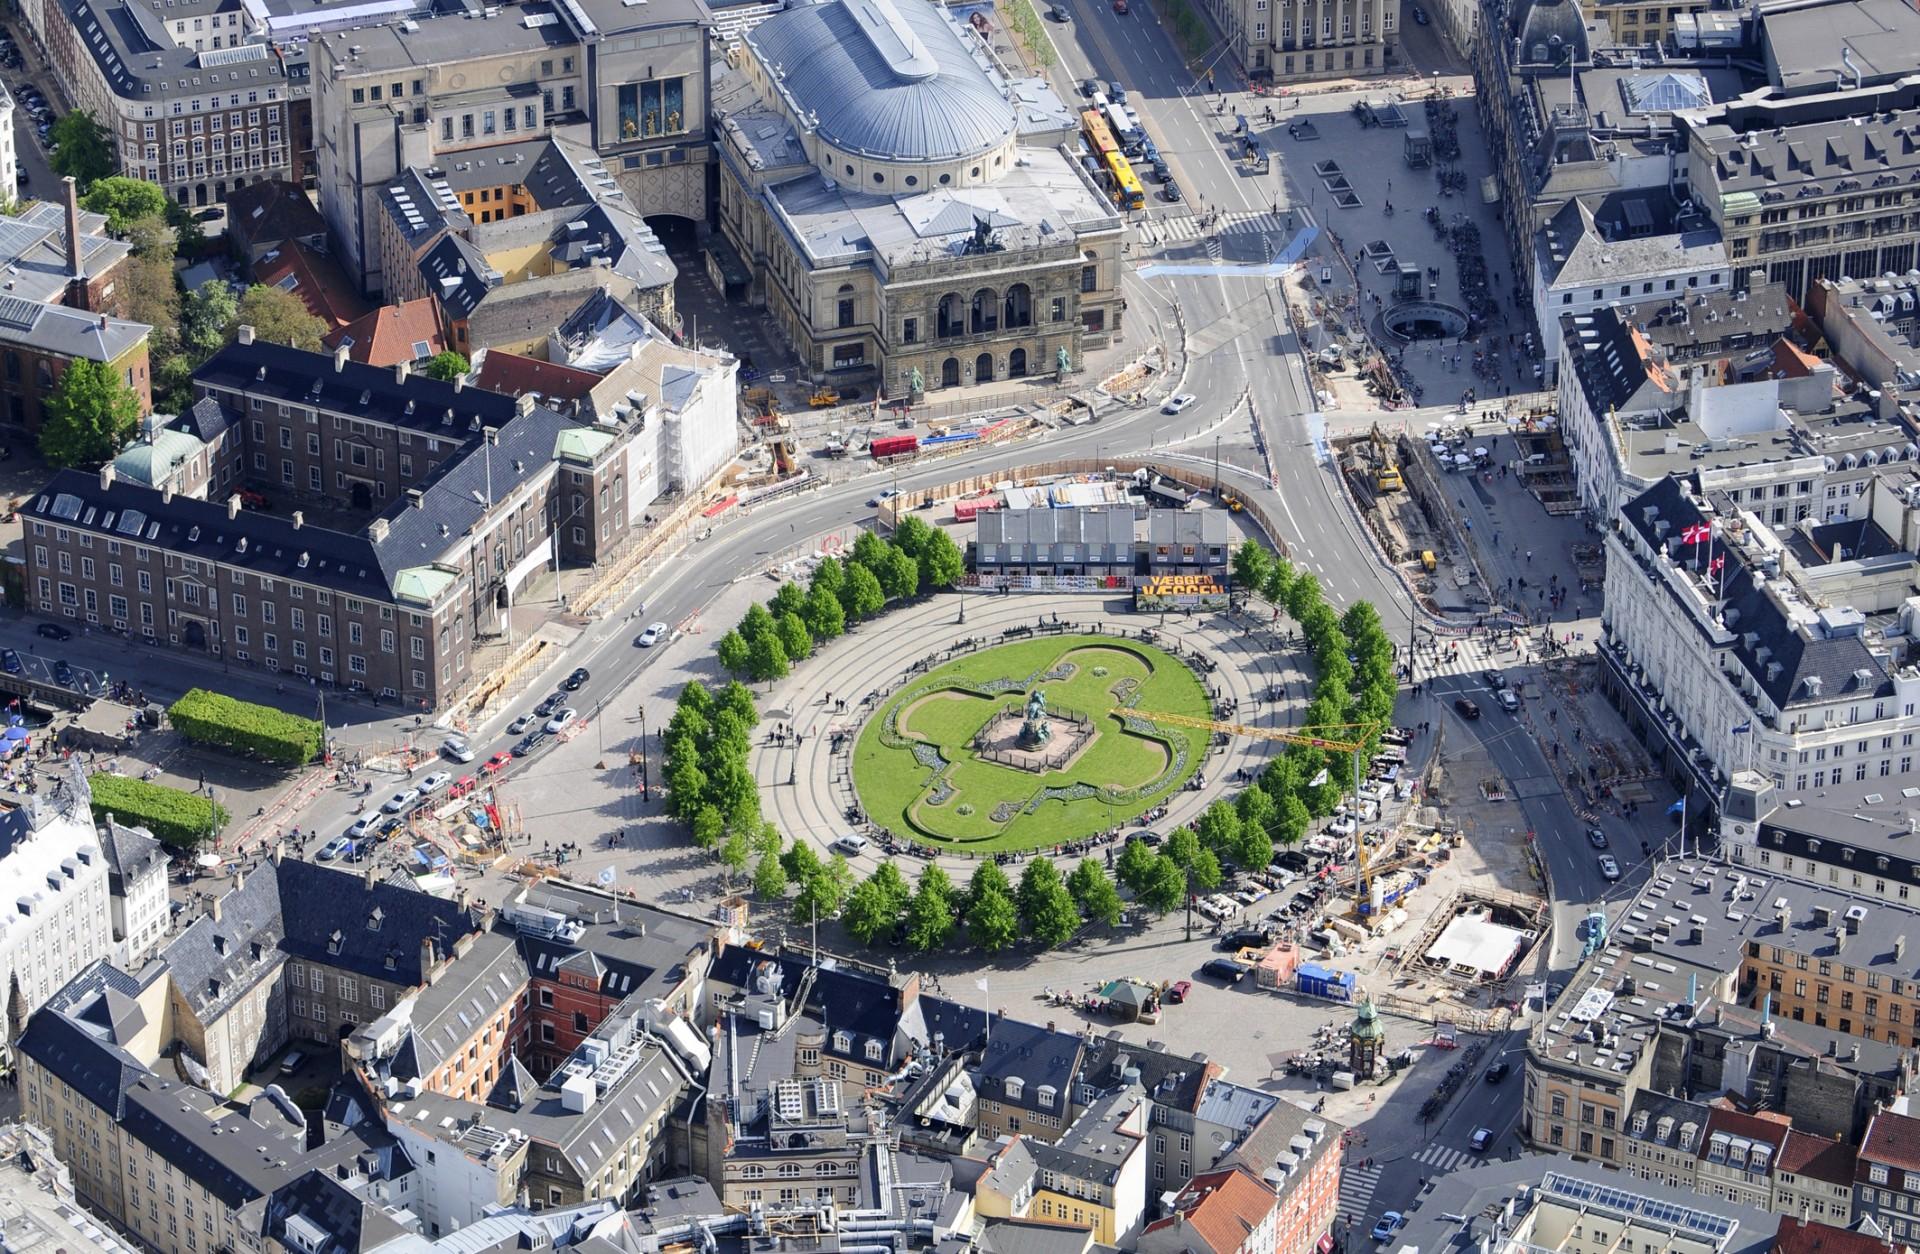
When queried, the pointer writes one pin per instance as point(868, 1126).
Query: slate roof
point(392, 334)
point(79, 1053)
point(270, 211)
point(458, 275)
point(233, 1158)
point(315, 1205)
point(864, 1006)
point(1092, 525)
point(207, 420)
point(64, 332)
point(1171, 1080)
point(420, 403)
point(215, 962)
point(319, 902)
point(1031, 1236)
point(1573, 251)
point(1037, 1057)
point(447, 1012)
point(515, 1087)
point(131, 853)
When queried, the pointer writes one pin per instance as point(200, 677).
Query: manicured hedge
point(209, 718)
point(181, 819)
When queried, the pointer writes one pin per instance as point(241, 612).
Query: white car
point(654, 634)
point(561, 717)
point(1176, 404)
point(457, 749)
point(1609, 869)
point(434, 783)
point(850, 845)
point(401, 801)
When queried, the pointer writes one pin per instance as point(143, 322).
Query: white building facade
point(54, 872)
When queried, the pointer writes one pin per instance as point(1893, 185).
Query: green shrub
point(209, 718)
point(181, 819)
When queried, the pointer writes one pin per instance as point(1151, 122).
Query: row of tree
point(772, 637)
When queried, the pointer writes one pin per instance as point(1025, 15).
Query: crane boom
point(1338, 737)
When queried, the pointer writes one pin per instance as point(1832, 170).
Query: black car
point(1143, 838)
point(1225, 969)
point(1495, 679)
point(1596, 838)
point(1468, 710)
point(1161, 172)
point(1497, 1072)
point(53, 631)
point(1171, 191)
point(574, 680)
point(528, 743)
point(62, 673)
point(1090, 88)
point(1292, 859)
point(1059, 13)
point(10, 661)
point(1245, 938)
point(546, 708)
point(212, 214)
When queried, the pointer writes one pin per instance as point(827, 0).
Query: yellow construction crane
point(1347, 738)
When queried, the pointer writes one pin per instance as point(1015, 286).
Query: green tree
point(872, 911)
point(1199, 862)
point(898, 891)
point(791, 599)
point(911, 536)
point(988, 877)
point(153, 239)
point(1165, 887)
point(829, 574)
point(187, 235)
point(1278, 581)
point(173, 384)
point(869, 550)
point(1303, 595)
point(735, 856)
point(1094, 893)
point(709, 825)
point(151, 293)
point(862, 597)
point(1294, 819)
point(899, 575)
point(695, 696)
point(733, 651)
point(280, 317)
point(992, 922)
point(790, 632)
point(1047, 910)
point(686, 787)
point(731, 787)
point(86, 151)
point(446, 366)
point(755, 623)
point(123, 199)
point(1253, 847)
point(767, 659)
point(1250, 564)
point(770, 877)
point(1134, 867)
point(206, 318)
point(941, 562)
point(1218, 827)
point(736, 698)
point(825, 617)
point(90, 415)
point(930, 914)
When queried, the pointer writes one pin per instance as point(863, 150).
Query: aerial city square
point(950, 626)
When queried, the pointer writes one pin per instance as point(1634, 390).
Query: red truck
point(894, 446)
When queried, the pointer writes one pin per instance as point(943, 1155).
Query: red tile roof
point(1797, 1236)
point(1220, 1209)
point(316, 279)
point(1892, 1139)
point(1807, 1155)
point(392, 334)
point(513, 375)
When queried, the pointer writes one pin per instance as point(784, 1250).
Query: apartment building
point(1219, 1212)
point(1300, 40)
point(1887, 1176)
point(52, 868)
point(1869, 324)
point(36, 1191)
point(628, 82)
point(137, 889)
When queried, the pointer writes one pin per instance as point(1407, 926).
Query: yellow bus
point(1127, 192)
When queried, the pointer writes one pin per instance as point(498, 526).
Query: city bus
point(1126, 189)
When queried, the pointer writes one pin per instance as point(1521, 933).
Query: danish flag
point(1696, 533)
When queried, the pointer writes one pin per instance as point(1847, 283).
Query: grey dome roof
point(1553, 32)
point(888, 79)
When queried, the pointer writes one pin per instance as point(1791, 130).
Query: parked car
point(1178, 402)
point(1225, 970)
point(850, 845)
point(435, 782)
point(1609, 869)
point(1596, 838)
point(62, 673)
point(213, 213)
point(1171, 191)
point(457, 749)
point(1178, 990)
point(1498, 1072)
point(1390, 1223)
point(575, 680)
point(401, 801)
point(652, 635)
point(1245, 938)
point(292, 1062)
point(1420, 16)
point(53, 631)
point(10, 660)
point(1468, 710)
point(335, 848)
point(361, 826)
point(561, 717)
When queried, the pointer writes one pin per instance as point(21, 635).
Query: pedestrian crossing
point(1231, 226)
point(1441, 1158)
point(1357, 1184)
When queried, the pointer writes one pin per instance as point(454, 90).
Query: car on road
point(1481, 1140)
point(875, 502)
point(1090, 88)
point(62, 673)
point(652, 635)
point(1420, 16)
point(1609, 869)
point(546, 708)
point(850, 845)
point(1508, 700)
point(1149, 839)
point(1496, 679)
point(457, 749)
point(1178, 990)
point(361, 826)
point(10, 660)
point(1171, 192)
point(212, 213)
point(1596, 838)
point(1116, 93)
point(574, 681)
point(498, 762)
point(53, 631)
point(1177, 403)
point(1059, 13)
point(561, 717)
point(435, 782)
point(1498, 1072)
point(529, 742)
point(335, 848)
point(401, 801)
point(1224, 969)
point(1468, 709)
point(519, 725)
point(1390, 1223)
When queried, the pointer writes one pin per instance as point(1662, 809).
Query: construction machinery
point(824, 398)
point(1385, 472)
point(1351, 739)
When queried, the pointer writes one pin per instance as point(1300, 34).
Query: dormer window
point(1014, 1085)
point(1046, 1094)
point(842, 1043)
point(374, 919)
point(875, 1051)
point(393, 960)
point(334, 942)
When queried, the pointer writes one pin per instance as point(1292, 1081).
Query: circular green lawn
point(916, 774)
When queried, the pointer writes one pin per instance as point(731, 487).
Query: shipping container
point(1319, 981)
point(895, 446)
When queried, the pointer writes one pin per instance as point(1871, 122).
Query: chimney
point(103, 327)
point(214, 908)
point(525, 404)
point(370, 876)
point(377, 530)
point(340, 359)
point(74, 269)
point(401, 370)
point(416, 498)
point(246, 334)
point(299, 519)
point(166, 495)
point(460, 383)
point(426, 956)
point(1899, 948)
point(233, 506)
point(106, 476)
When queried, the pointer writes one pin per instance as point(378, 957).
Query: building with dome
point(907, 213)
